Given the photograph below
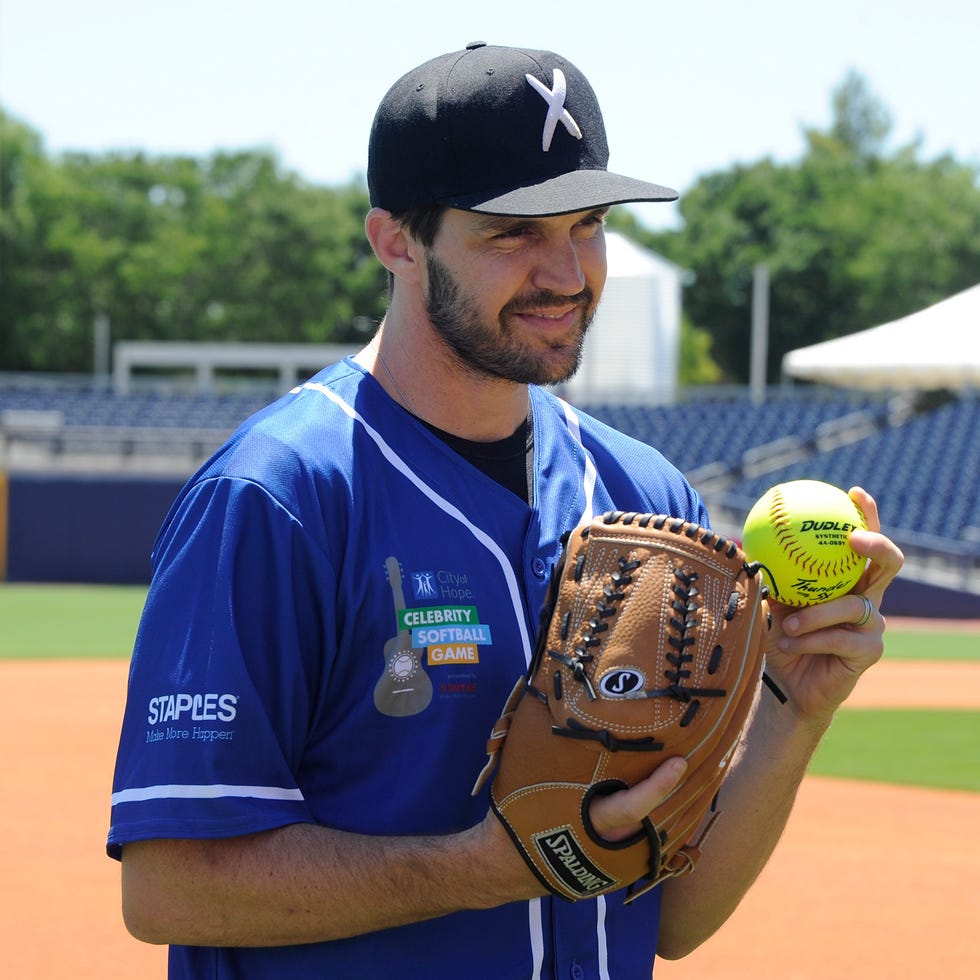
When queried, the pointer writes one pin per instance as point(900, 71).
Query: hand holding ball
point(799, 533)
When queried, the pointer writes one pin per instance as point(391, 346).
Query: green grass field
point(928, 645)
point(68, 621)
point(921, 748)
point(938, 749)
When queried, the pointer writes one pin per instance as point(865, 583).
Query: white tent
point(938, 347)
point(632, 351)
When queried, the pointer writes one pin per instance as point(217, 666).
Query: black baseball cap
point(497, 130)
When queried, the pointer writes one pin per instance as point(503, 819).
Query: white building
point(632, 352)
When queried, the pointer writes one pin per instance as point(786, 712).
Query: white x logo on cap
point(555, 97)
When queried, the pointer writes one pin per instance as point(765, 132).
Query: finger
point(830, 628)
point(618, 815)
point(867, 505)
point(850, 611)
point(843, 614)
point(886, 560)
point(857, 649)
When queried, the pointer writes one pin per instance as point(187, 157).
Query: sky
point(686, 88)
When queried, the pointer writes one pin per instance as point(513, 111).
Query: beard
point(495, 349)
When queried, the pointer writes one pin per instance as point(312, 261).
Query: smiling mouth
point(556, 318)
point(551, 306)
point(551, 316)
point(557, 314)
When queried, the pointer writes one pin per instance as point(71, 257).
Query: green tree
point(697, 366)
point(227, 248)
point(233, 248)
point(852, 236)
point(289, 260)
point(31, 191)
point(861, 123)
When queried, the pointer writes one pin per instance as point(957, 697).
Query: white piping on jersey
point(589, 478)
point(536, 928)
point(176, 791)
point(588, 512)
point(600, 914)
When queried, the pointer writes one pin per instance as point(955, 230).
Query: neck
point(444, 393)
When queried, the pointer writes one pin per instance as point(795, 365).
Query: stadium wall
point(92, 529)
point(101, 529)
point(922, 600)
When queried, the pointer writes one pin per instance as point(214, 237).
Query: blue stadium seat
point(924, 474)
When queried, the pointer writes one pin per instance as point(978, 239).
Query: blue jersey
point(339, 608)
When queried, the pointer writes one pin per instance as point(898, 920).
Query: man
point(345, 594)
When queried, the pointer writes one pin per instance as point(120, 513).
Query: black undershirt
point(509, 461)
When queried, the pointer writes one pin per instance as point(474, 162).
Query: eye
point(517, 231)
point(595, 220)
point(591, 225)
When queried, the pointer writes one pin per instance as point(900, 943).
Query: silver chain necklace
point(406, 404)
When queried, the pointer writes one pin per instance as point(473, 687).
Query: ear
point(396, 250)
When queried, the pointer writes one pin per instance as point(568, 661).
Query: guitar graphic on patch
point(404, 687)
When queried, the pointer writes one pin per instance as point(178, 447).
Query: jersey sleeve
point(231, 649)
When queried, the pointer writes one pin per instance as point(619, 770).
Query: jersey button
point(576, 972)
point(540, 567)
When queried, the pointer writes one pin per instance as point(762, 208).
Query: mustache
point(545, 298)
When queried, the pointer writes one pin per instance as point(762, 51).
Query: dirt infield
point(854, 890)
point(914, 684)
point(59, 909)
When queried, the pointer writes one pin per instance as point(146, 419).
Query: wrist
point(497, 870)
point(785, 726)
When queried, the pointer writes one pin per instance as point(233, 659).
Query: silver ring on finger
point(869, 610)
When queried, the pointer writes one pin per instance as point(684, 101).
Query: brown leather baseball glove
point(650, 646)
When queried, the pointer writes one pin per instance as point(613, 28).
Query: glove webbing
point(614, 592)
point(707, 537)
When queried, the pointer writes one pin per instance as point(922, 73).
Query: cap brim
point(578, 190)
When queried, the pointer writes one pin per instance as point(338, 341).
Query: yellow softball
point(799, 533)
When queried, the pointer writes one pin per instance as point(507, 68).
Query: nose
point(560, 268)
